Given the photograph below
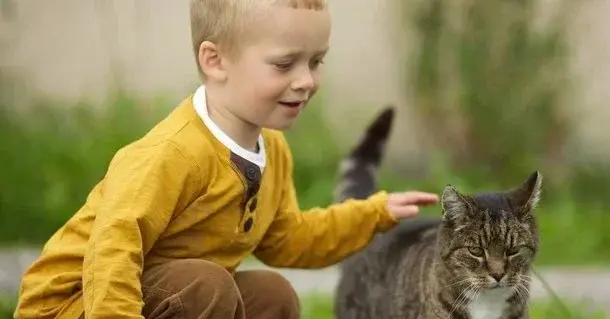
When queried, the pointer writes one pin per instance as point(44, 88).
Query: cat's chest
point(489, 304)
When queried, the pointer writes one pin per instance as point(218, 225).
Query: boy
point(178, 210)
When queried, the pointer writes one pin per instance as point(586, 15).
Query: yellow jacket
point(175, 193)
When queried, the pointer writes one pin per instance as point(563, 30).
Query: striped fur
point(472, 263)
point(358, 171)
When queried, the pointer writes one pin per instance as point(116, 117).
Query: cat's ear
point(455, 205)
point(525, 198)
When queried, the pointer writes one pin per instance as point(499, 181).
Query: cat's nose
point(497, 276)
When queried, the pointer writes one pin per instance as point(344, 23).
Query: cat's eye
point(515, 251)
point(476, 251)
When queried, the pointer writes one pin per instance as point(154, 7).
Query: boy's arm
point(321, 237)
point(140, 194)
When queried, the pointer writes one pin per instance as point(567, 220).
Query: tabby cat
point(472, 262)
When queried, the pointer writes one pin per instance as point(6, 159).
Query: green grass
point(320, 307)
point(7, 306)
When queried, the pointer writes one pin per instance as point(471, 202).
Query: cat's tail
point(358, 171)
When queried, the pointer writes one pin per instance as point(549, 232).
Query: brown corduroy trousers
point(197, 289)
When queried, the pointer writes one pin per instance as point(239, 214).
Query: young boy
point(161, 235)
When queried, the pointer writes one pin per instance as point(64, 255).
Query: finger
point(422, 196)
point(404, 211)
point(418, 198)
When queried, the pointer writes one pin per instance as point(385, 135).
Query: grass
point(320, 307)
point(7, 306)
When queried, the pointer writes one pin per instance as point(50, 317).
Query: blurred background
point(487, 91)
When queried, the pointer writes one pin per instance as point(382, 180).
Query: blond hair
point(222, 21)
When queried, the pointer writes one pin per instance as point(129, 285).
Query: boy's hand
point(405, 205)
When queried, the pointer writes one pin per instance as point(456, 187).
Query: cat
point(473, 262)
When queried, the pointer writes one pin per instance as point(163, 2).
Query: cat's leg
point(354, 306)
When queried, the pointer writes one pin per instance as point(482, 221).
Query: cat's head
point(490, 240)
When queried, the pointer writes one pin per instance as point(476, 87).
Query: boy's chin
point(281, 125)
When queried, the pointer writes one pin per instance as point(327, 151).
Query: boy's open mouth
point(292, 104)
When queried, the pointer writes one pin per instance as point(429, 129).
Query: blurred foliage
point(486, 85)
point(7, 306)
point(51, 156)
point(489, 80)
point(491, 85)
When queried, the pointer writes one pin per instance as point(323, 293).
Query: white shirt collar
point(200, 104)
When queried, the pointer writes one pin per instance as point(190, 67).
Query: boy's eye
point(283, 65)
point(317, 63)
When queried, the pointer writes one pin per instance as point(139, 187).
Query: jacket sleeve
point(141, 192)
point(320, 237)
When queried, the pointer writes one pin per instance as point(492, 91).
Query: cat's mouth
point(495, 285)
point(499, 285)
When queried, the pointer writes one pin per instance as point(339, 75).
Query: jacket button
point(248, 224)
point(253, 204)
point(251, 173)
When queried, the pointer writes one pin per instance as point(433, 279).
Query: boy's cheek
point(314, 90)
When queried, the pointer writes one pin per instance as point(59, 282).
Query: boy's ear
point(210, 61)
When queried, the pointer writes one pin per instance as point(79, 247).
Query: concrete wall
point(66, 48)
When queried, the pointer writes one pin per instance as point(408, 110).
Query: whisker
point(456, 302)
point(517, 293)
point(462, 296)
point(523, 294)
point(526, 278)
point(526, 289)
point(457, 282)
point(477, 293)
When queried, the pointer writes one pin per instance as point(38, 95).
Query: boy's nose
point(304, 82)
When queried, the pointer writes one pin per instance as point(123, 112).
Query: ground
point(587, 288)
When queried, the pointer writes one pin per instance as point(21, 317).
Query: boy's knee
point(267, 293)
point(278, 289)
point(197, 286)
point(202, 278)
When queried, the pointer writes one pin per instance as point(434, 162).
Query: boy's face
point(278, 70)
